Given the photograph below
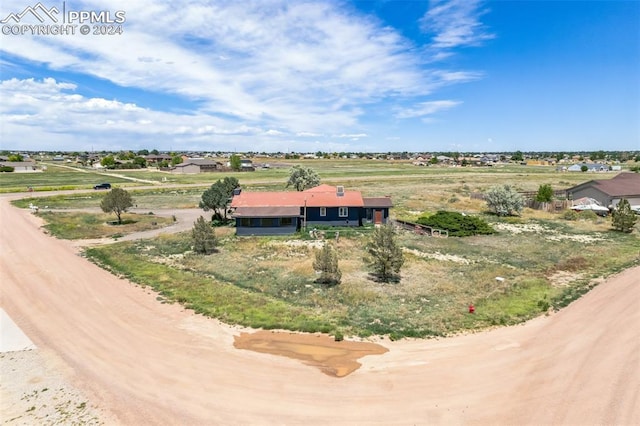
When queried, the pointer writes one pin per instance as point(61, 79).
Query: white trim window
point(323, 211)
point(343, 211)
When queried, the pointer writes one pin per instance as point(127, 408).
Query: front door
point(377, 216)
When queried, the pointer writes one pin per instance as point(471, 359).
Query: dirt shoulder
point(143, 362)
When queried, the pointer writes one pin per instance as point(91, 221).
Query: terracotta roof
point(322, 196)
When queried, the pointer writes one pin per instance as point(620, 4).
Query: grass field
point(82, 226)
point(546, 261)
point(271, 281)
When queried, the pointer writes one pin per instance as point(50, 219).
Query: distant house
point(591, 167)
point(609, 192)
point(282, 213)
point(197, 165)
point(20, 166)
point(154, 159)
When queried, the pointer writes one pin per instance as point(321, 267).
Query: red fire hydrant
point(472, 308)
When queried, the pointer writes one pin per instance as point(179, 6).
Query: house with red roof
point(282, 213)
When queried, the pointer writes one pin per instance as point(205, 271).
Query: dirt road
point(151, 363)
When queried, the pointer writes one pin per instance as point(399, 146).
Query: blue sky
point(306, 76)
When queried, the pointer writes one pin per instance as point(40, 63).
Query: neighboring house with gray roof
point(609, 192)
point(197, 165)
point(20, 166)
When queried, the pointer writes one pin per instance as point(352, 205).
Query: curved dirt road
point(151, 363)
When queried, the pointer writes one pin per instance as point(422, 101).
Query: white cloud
point(455, 23)
point(308, 69)
point(426, 108)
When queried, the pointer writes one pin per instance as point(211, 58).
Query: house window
point(323, 211)
point(343, 211)
point(286, 221)
point(245, 221)
point(268, 222)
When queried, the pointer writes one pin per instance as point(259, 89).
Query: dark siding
point(266, 226)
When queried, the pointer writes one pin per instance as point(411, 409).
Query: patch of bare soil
point(336, 359)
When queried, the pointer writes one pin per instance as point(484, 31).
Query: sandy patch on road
point(337, 359)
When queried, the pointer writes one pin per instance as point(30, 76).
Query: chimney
point(340, 190)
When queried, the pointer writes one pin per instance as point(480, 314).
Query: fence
point(420, 229)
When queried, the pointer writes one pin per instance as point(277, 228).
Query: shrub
point(503, 200)
point(545, 194)
point(588, 215)
point(570, 215)
point(457, 224)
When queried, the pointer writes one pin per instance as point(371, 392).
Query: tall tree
point(384, 254)
point(302, 178)
point(504, 200)
point(623, 217)
point(326, 263)
point(109, 162)
point(218, 197)
point(116, 201)
point(204, 237)
point(545, 193)
point(235, 162)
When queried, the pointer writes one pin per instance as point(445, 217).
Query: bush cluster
point(457, 224)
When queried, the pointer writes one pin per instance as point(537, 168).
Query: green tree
point(326, 263)
point(140, 161)
point(109, 162)
point(126, 155)
point(204, 237)
point(15, 158)
point(517, 156)
point(623, 218)
point(176, 159)
point(218, 197)
point(155, 152)
point(302, 178)
point(584, 168)
point(235, 162)
point(384, 255)
point(116, 201)
point(545, 193)
point(143, 152)
point(503, 200)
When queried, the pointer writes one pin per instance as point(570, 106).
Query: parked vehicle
point(102, 186)
point(584, 204)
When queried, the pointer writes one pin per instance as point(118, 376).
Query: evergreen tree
point(384, 255)
point(623, 217)
point(204, 237)
point(326, 263)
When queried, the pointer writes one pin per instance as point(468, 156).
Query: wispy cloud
point(279, 71)
point(424, 109)
point(455, 23)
